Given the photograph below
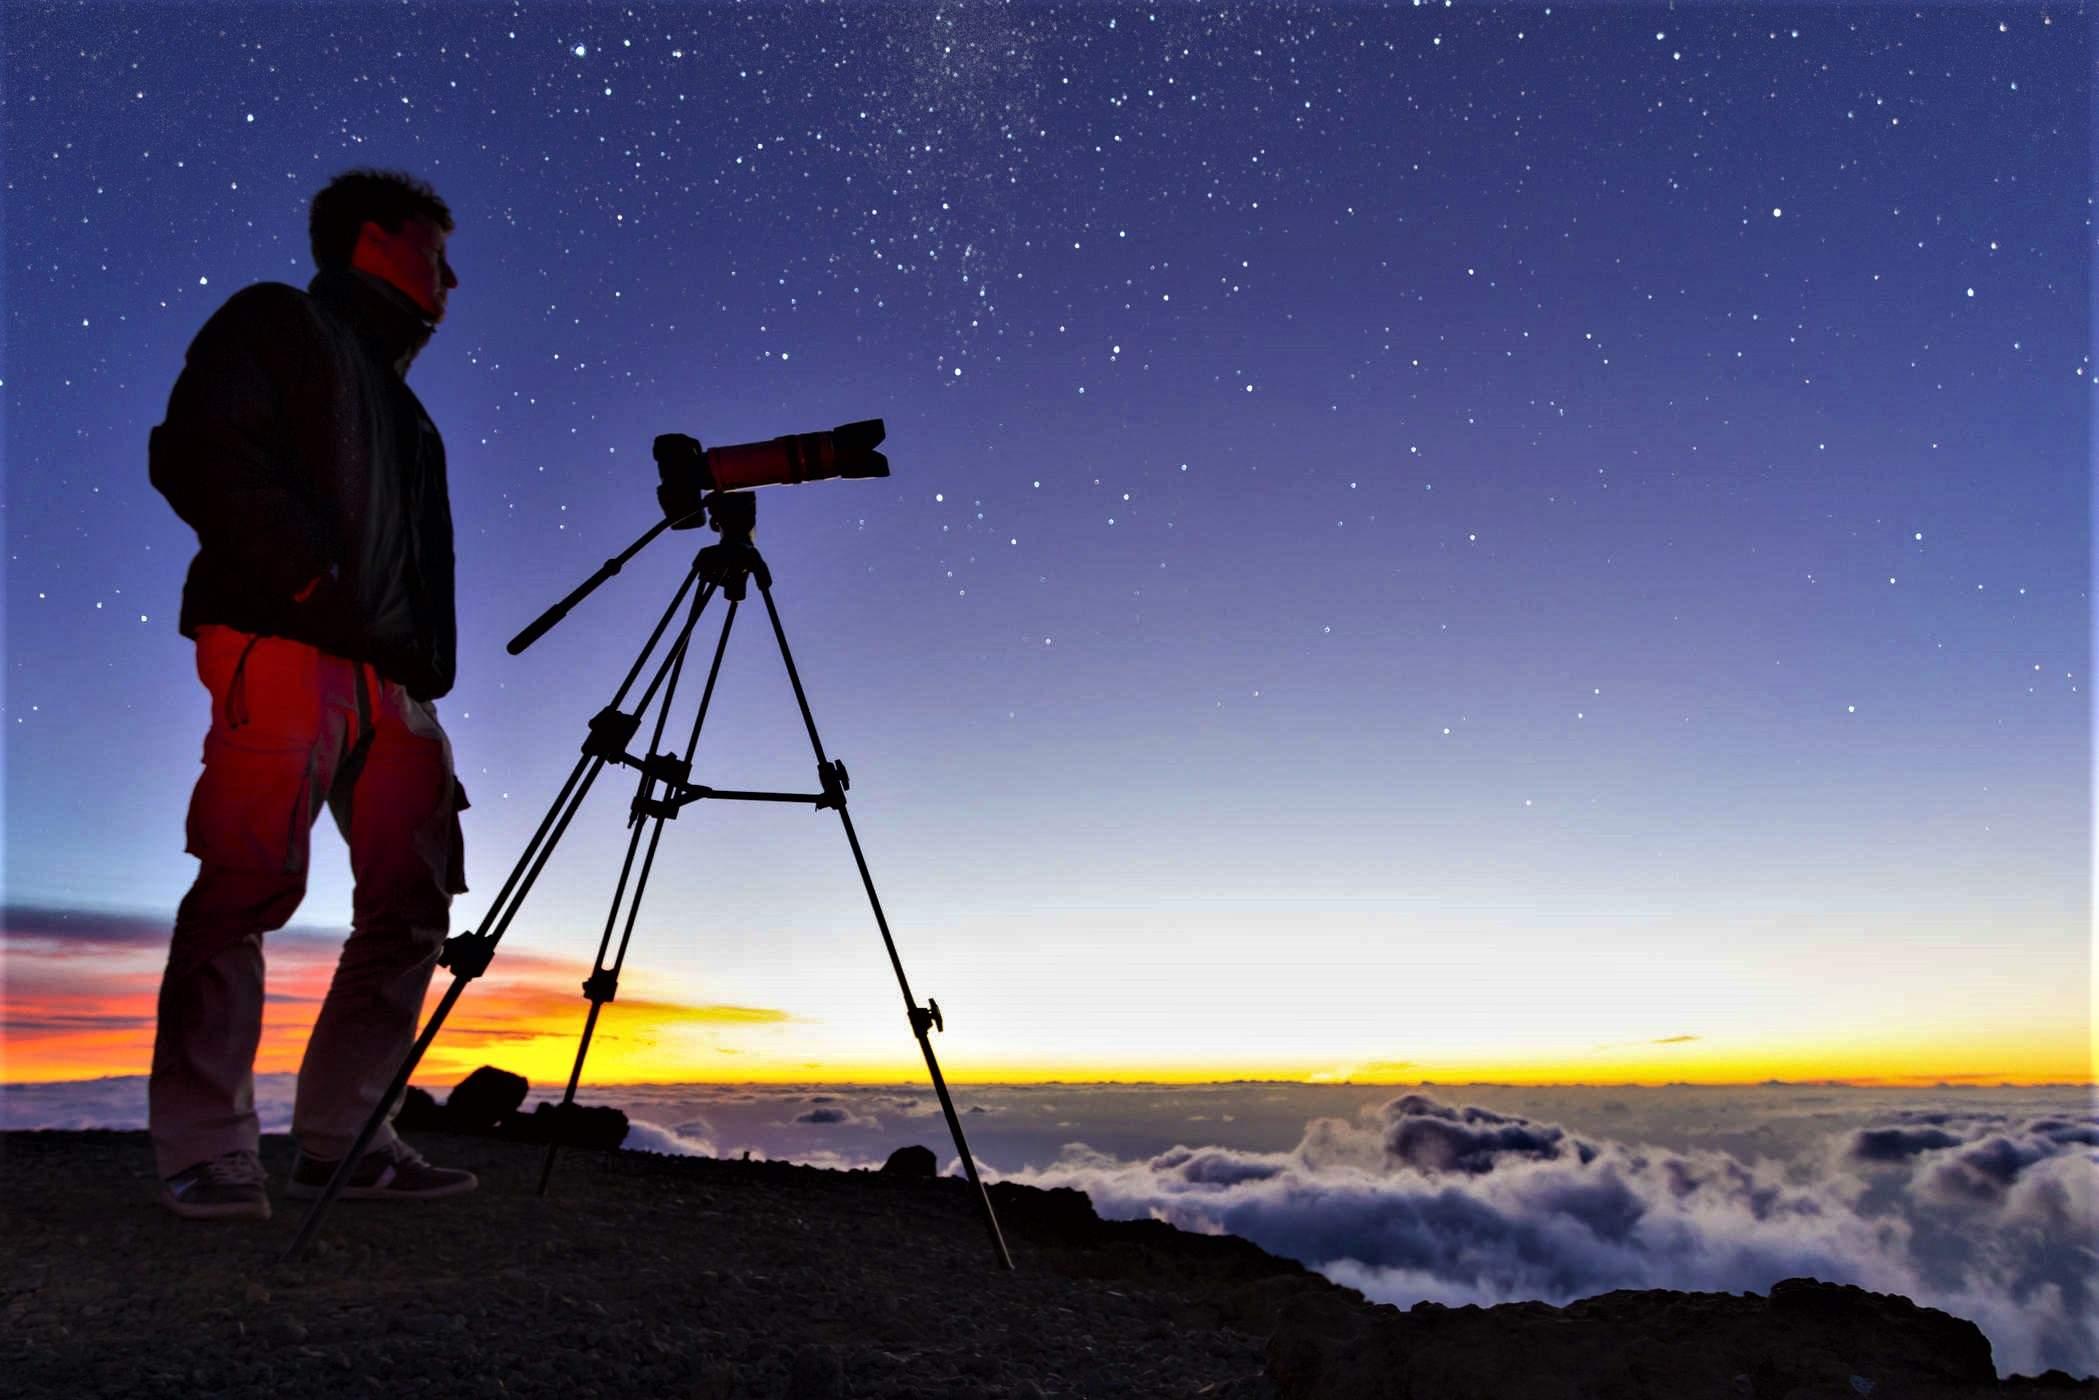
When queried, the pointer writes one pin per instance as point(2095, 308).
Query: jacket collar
point(386, 320)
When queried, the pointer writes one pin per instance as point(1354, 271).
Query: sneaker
point(229, 1186)
point(393, 1173)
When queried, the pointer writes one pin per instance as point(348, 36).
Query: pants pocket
point(455, 863)
point(252, 808)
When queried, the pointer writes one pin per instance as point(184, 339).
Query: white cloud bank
point(1419, 1200)
point(1984, 1204)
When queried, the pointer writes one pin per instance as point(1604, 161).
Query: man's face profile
point(412, 259)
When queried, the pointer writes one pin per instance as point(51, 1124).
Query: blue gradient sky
point(1428, 536)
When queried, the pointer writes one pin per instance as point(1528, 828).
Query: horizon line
point(1300, 1083)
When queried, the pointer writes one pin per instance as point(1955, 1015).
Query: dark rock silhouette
point(1055, 1210)
point(486, 1104)
point(572, 1125)
point(485, 1098)
point(420, 1113)
point(913, 1163)
point(1806, 1339)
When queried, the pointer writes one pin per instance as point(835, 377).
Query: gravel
point(636, 1276)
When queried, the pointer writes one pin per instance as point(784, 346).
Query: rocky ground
point(642, 1276)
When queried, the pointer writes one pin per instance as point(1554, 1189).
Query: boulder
point(1057, 1211)
point(485, 1098)
point(420, 1113)
point(913, 1163)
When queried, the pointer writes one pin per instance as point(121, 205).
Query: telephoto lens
point(687, 472)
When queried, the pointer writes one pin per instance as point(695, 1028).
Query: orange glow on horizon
point(58, 1023)
point(61, 1023)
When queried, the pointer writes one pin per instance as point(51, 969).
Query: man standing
point(321, 605)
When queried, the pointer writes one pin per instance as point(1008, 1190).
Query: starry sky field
point(1541, 543)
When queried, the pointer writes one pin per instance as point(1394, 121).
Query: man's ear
point(369, 251)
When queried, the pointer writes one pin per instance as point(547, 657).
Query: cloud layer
point(1419, 1200)
point(1982, 1202)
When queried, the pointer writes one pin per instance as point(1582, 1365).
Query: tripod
point(665, 786)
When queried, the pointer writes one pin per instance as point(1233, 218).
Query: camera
point(688, 472)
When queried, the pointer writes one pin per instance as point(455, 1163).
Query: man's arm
point(221, 456)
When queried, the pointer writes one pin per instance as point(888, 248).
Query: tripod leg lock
point(610, 733)
point(668, 769)
point(835, 781)
point(467, 954)
point(675, 774)
point(927, 1017)
point(602, 985)
point(665, 807)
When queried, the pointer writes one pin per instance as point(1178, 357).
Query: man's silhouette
point(321, 604)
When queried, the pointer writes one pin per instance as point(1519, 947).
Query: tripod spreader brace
point(602, 985)
point(611, 730)
point(926, 1016)
point(467, 954)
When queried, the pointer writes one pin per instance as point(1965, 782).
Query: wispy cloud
point(82, 988)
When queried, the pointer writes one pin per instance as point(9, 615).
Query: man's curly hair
point(387, 198)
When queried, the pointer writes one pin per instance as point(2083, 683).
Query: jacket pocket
point(252, 808)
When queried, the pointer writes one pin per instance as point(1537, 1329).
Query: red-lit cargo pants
point(293, 728)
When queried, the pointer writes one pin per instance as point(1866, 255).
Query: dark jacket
point(295, 450)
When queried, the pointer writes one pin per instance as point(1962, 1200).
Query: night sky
point(1551, 543)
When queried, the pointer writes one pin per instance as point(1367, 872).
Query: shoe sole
point(228, 1210)
point(301, 1191)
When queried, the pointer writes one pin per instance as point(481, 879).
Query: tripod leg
point(568, 1099)
point(469, 962)
point(921, 1020)
point(969, 1165)
point(603, 983)
point(468, 955)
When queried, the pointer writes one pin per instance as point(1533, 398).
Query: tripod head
point(733, 515)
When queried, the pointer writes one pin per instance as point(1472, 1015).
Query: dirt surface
point(635, 1276)
point(644, 1276)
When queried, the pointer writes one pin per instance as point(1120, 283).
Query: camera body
point(687, 472)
